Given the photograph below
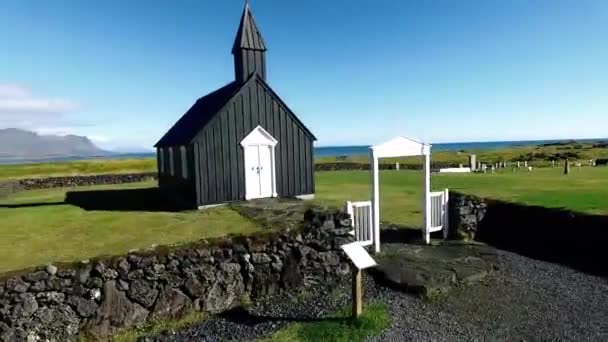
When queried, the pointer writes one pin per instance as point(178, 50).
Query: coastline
point(326, 151)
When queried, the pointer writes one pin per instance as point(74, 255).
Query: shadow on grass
point(146, 199)
point(30, 205)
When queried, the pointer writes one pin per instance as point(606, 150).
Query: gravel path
point(525, 299)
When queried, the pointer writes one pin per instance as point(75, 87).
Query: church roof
point(201, 113)
point(203, 110)
point(248, 36)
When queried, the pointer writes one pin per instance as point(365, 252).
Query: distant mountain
point(18, 144)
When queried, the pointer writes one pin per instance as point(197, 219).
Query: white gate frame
point(400, 147)
point(363, 227)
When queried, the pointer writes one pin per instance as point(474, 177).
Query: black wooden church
point(239, 142)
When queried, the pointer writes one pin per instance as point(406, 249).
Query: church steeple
point(249, 49)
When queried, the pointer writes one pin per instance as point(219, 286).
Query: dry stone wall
point(99, 298)
point(8, 187)
point(567, 237)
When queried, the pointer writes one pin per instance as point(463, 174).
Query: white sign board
point(358, 255)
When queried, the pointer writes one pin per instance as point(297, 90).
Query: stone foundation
point(102, 297)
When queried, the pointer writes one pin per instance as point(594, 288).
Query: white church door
point(258, 148)
point(265, 171)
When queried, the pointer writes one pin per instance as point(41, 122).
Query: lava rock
point(17, 285)
point(143, 292)
point(171, 304)
point(193, 287)
point(116, 312)
point(84, 307)
point(52, 297)
point(122, 285)
point(51, 269)
point(38, 286)
point(35, 276)
point(260, 258)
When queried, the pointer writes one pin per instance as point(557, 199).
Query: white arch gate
point(435, 204)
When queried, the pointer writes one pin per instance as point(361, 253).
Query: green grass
point(156, 327)
point(401, 191)
point(53, 231)
point(45, 229)
point(539, 156)
point(338, 327)
point(84, 167)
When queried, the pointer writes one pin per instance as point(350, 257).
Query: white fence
point(438, 215)
point(361, 217)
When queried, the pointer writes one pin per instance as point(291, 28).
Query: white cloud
point(20, 108)
point(32, 105)
point(12, 91)
point(16, 100)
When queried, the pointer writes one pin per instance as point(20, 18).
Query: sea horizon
point(320, 151)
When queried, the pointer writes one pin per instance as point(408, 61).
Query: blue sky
point(356, 72)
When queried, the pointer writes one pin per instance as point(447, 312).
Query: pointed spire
point(248, 36)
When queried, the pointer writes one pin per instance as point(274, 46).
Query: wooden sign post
point(361, 260)
point(357, 294)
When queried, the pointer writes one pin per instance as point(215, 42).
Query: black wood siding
point(219, 156)
point(176, 185)
point(246, 62)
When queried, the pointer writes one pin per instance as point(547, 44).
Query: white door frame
point(260, 137)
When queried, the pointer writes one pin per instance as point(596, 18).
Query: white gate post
point(427, 199)
point(446, 214)
point(375, 200)
point(350, 212)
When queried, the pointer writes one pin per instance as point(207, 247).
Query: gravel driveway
point(525, 299)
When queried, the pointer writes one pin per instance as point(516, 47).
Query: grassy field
point(81, 167)
point(401, 191)
point(39, 226)
point(538, 155)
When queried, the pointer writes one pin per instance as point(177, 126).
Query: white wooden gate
point(361, 218)
point(437, 218)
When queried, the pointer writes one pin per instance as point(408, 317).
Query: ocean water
point(334, 151)
point(324, 151)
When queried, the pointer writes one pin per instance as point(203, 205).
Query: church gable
point(256, 104)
